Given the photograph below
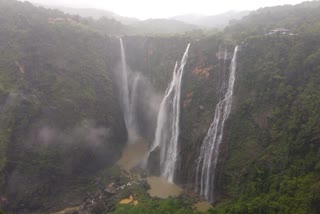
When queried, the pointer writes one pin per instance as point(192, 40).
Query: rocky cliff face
point(154, 59)
point(204, 73)
point(266, 96)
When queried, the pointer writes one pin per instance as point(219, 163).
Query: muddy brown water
point(161, 188)
point(132, 156)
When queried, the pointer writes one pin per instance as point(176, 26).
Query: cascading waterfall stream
point(133, 123)
point(128, 104)
point(124, 90)
point(209, 151)
point(167, 131)
point(223, 85)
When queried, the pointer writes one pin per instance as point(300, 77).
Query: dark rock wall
point(201, 89)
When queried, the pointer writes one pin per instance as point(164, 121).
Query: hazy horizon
point(144, 9)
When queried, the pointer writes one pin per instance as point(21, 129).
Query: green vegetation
point(56, 90)
point(147, 205)
point(156, 206)
point(273, 137)
point(57, 103)
point(272, 157)
point(302, 18)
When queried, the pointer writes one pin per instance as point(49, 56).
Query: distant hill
point(94, 13)
point(215, 21)
point(162, 26)
point(177, 24)
point(107, 21)
point(301, 18)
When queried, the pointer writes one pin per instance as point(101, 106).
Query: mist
point(144, 9)
point(86, 132)
point(144, 103)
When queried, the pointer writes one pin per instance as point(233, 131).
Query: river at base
point(132, 156)
point(161, 188)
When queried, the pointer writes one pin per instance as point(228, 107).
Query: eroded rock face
point(58, 109)
point(204, 73)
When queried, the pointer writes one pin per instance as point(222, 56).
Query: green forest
point(62, 129)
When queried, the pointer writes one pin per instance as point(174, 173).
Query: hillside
point(301, 18)
point(94, 13)
point(214, 21)
point(58, 108)
point(111, 23)
point(63, 125)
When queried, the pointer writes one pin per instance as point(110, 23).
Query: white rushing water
point(133, 128)
point(167, 131)
point(209, 151)
point(128, 102)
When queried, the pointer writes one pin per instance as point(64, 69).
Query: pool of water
point(133, 154)
point(161, 188)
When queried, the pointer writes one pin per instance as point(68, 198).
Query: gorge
point(238, 128)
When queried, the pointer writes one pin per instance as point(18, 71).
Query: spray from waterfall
point(167, 130)
point(128, 97)
point(209, 151)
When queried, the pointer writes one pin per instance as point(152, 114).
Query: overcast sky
point(167, 8)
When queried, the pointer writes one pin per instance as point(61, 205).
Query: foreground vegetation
point(148, 205)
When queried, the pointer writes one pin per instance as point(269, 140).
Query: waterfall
point(223, 75)
point(167, 130)
point(133, 128)
point(209, 150)
point(128, 97)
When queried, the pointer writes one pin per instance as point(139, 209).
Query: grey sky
point(166, 8)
